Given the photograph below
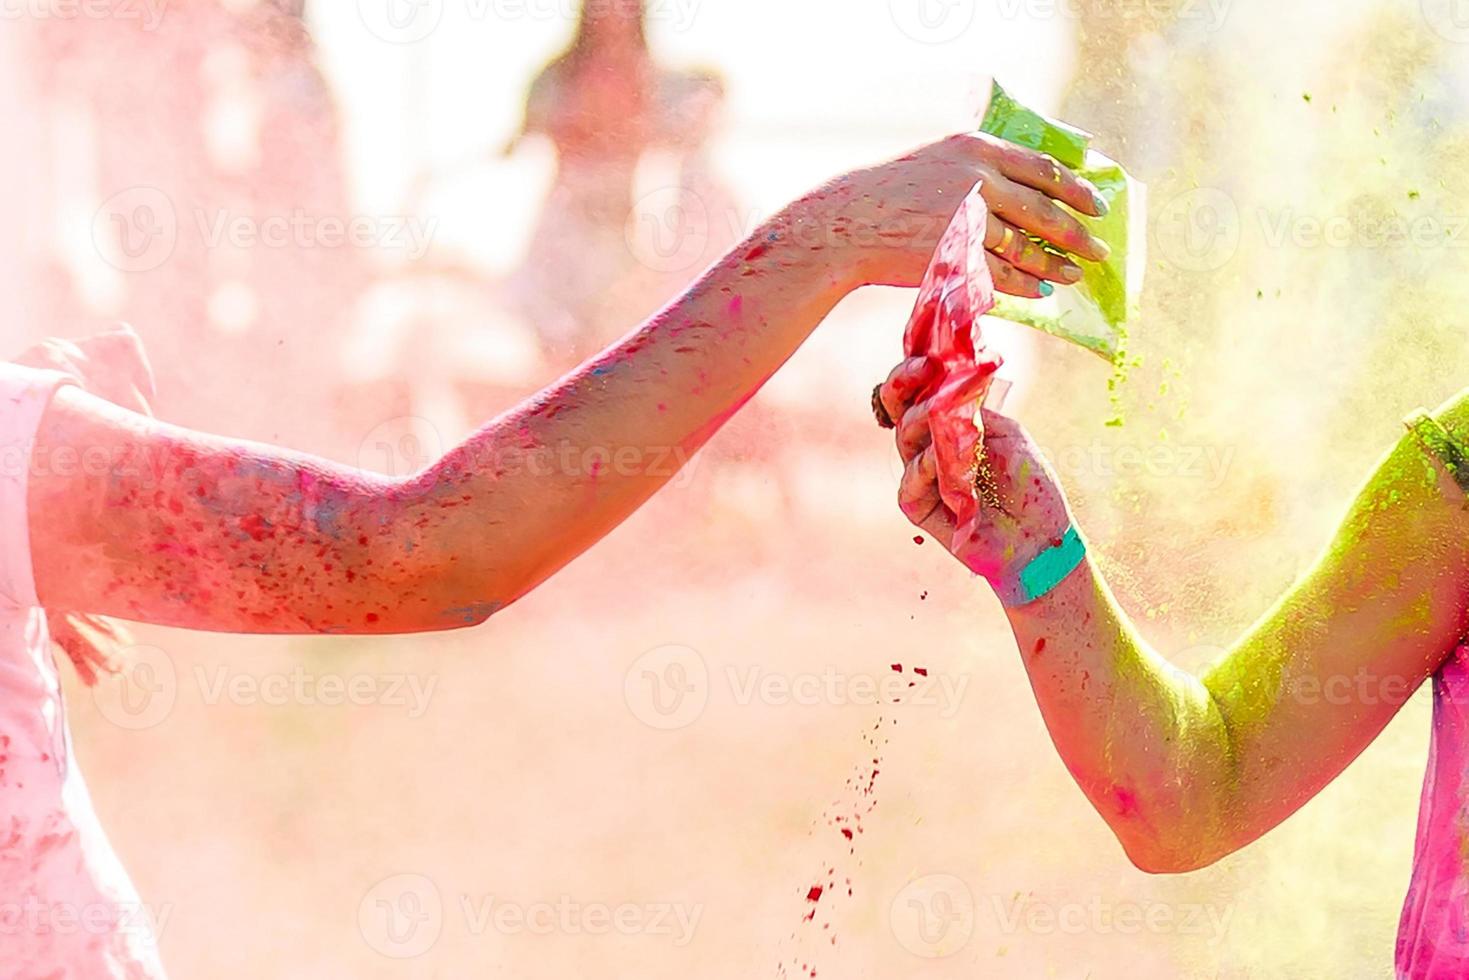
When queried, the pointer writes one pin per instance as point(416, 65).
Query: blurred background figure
point(613, 115)
point(211, 141)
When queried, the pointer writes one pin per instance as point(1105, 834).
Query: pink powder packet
point(957, 290)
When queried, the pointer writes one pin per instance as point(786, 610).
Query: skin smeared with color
point(196, 531)
point(1186, 770)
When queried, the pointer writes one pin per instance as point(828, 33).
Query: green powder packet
point(1094, 312)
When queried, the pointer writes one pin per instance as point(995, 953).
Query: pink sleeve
point(24, 394)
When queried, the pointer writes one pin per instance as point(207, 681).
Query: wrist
point(1031, 576)
point(813, 225)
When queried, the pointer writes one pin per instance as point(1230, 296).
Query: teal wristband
point(1048, 569)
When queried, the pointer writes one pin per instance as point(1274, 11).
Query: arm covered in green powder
point(1186, 770)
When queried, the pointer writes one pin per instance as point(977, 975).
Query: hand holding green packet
point(1094, 312)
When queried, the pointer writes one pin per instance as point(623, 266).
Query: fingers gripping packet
point(957, 290)
point(1094, 312)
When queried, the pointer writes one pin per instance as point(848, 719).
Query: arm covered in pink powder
point(191, 530)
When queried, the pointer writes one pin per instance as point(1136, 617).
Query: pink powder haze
point(762, 728)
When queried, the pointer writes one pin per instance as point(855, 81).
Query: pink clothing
point(1433, 934)
point(67, 908)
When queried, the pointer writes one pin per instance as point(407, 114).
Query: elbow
point(442, 619)
point(458, 602)
point(1157, 857)
point(1162, 833)
point(1169, 843)
point(437, 603)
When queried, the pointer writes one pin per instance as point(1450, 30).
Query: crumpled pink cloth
point(957, 290)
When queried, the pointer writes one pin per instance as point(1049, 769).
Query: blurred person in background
point(1187, 770)
point(606, 105)
point(179, 528)
point(214, 116)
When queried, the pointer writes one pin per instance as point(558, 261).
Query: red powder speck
point(1040, 645)
point(897, 668)
point(814, 895)
point(757, 251)
point(372, 617)
point(917, 539)
point(847, 832)
point(921, 671)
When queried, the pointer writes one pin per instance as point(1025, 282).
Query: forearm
point(1145, 741)
point(1187, 770)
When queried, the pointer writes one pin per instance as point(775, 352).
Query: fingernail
point(1071, 273)
point(1101, 249)
point(1100, 202)
point(1047, 289)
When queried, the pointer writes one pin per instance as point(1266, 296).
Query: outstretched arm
point(1186, 770)
point(191, 530)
